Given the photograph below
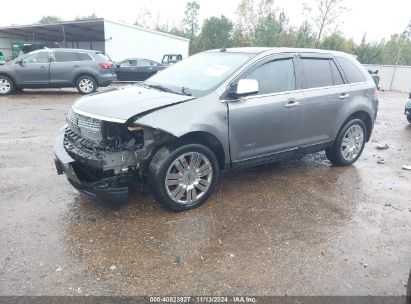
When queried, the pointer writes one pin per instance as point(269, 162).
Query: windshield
point(199, 74)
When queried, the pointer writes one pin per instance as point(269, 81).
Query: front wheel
point(409, 118)
point(349, 144)
point(86, 85)
point(183, 178)
point(6, 85)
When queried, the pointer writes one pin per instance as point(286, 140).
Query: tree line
point(261, 23)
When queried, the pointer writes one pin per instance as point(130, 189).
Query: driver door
point(34, 70)
point(269, 121)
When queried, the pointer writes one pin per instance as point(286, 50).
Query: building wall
point(396, 78)
point(126, 41)
point(5, 45)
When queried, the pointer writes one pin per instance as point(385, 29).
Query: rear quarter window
point(65, 56)
point(317, 72)
point(352, 73)
point(83, 57)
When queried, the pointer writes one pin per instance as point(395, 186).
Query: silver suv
point(57, 68)
point(215, 111)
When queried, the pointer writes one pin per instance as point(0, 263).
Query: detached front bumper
point(102, 190)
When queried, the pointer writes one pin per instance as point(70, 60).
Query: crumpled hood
point(120, 104)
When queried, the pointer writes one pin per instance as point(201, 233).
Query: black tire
point(86, 85)
point(408, 294)
point(409, 118)
point(159, 166)
point(6, 85)
point(334, 153)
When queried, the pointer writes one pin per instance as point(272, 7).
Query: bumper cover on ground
point(64, 161)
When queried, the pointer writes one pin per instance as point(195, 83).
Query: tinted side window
point(65, 56)
point(274, 76)
point(317, 73)
point(129, 63)
point(83, 57)
point(351, 71)
point(41, 57)
point(338, 80)
point(143, 62)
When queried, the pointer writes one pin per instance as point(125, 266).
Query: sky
point(379, 19)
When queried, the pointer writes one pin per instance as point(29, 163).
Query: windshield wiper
point(162, 88)
point(186, 91)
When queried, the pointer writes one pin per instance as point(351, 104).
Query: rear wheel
point(409, 118)
point(86, 85)
point(349, 144)
point(6, 85)
point(183, 178)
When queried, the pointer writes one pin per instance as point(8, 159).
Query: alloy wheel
point(352, 143)
point(5, 86)
point(86, 85)
point(189, 178)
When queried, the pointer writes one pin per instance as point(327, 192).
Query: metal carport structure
point(119, 40)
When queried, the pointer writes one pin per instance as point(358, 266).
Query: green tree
point(190, 20)
point(271, 30)
point(304, 36)
point(90, 17)
point(324, 16)
point(215, 33)
point(370, 53)
point(337, 42)
point(49, 19)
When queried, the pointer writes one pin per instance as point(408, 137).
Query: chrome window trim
point(99, 117)
point(296, 91)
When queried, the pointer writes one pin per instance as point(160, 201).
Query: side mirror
point(247, 87)
point(19, 62)
point(117, 66)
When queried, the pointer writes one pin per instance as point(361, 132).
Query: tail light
point(105, 66)
point(376, 94)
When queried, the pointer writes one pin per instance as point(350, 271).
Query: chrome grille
point(86, 127)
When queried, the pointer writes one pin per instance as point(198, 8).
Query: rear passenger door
point(144, 69)
point(66, 65)
point(269, 121)
point(325, 94)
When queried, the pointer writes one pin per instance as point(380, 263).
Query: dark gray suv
point(57, 68)
point(216, 111)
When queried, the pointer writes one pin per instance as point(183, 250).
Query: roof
point(147, 30)
point(277, 50)
point(82, 30)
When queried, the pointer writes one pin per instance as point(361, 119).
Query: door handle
point(292, 103)
point(149, 68)
point(76, 65)
point(43, 66)
point(344, 96)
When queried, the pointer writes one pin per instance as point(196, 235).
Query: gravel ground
point(300, 227)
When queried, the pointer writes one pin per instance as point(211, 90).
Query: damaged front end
point(102, 158)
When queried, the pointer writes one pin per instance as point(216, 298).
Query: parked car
point(215, 111)
point(137, 69)
point(57, 68)
point(375, 77)
point(407, 110)
point(2, 58)
point(171, 58)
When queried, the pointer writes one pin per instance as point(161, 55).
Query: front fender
point(206, 114)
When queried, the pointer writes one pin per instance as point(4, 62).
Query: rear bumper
point(106, 79)
point(102, 190)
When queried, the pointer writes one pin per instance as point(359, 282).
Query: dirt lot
point(300, 227)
